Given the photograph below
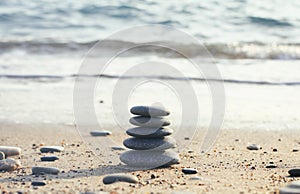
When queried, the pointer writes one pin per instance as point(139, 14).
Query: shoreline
point(227, 168)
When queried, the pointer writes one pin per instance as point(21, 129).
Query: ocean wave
point(237, 50)
point(54, 78)
point(269, 22)
point(210, 21)
point(119, 11)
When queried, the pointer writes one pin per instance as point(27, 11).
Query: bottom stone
point(149, 159)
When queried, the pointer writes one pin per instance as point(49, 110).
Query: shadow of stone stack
point(150, 142)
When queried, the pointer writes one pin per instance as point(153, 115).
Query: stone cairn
point(150, 143)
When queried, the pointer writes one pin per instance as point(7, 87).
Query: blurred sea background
point(256, 45)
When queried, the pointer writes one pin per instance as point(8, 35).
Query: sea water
point(255, 45)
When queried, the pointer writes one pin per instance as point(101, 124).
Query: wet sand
point(227, 168)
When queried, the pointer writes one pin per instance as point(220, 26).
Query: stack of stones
point(150, 143)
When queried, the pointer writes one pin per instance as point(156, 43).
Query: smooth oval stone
point(189, 171)
point(149, 111)
point(143, 132)
point(100, 133)
point(49, 158)
point(294, 172)
point(153, 122)
point(120, 178)
point(2, 156)
point(149, 159)
point(150, 144)
point(45, 170)
point(288, 190)
point(38, 183)
point(10, 151)
point(253, 147)
point(271, 166)
point(9, 165)
point(51, 149)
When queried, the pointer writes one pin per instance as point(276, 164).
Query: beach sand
point(227, 168)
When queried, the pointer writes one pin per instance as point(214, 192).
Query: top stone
point(149, 111)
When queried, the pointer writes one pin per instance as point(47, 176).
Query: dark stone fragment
point(38, 183)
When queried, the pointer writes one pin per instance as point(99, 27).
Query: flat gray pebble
point(153, 122)
point(149, 111)
point(2, 156)
point(100, 133)
point(109, 179)
point(253, 147)
point(49, 158)
point(150, 144)
point(10, 151)
point(144, 132)
point(38, 183)
point(149, 159)
point(271, 166)
point(51, 149)
point(294, 172)
point(189, 171)
point(45, 170)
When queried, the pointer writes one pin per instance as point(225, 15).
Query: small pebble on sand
point(49, 158)
point(271, 166)
point(10, 151)
point(51, 149)
point(253, 147)
point(109, 179)
point(38, 183)
point(189, 171)
point(45, 170)
point(100, 133)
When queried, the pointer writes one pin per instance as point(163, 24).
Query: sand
point(227, 168)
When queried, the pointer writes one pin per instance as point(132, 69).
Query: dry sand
point(227, 168)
